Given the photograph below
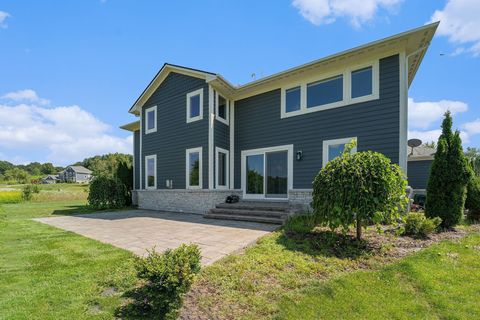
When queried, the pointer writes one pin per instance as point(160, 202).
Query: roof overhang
point(414, 43)
point(132, 126)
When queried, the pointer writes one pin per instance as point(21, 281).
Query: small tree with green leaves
point(449, 176)
point(358, 189)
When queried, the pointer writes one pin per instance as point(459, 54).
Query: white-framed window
point(355, 84)
point(151, 172)
point(193, 168)
point(222, 108)
point(195, 105)
point(151, 120)
point(222, 171)
point(334, 148)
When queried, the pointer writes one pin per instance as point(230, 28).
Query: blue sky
point(70, 70)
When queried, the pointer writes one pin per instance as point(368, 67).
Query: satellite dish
point(414, 143)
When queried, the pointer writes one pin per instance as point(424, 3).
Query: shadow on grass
point(325, 243)
point(73, 209)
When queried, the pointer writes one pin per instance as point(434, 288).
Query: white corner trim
point(133, 163)
point(347, 99)
point(219, 150)
point(140, 175)
point(187, 168)
point(403, 136)
point(227, 112)
point(192, 94)
point(327, 143)
point(154, 110)
point(211, 124)
point(232, 144)
point(154, 157)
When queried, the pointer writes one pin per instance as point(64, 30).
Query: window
point(362, 82)
point(222, 167)
point(325, 92)
point(292, 99)
point(334, 148)
point(195, 105)
point(151, 172)
point(221, 108)
point(151, 120)
point(194, 168)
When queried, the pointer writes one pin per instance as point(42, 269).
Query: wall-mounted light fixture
point(299, 155)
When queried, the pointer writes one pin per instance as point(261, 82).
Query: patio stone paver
point(139, 230)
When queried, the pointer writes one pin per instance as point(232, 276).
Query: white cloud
point(27, 95)
point(421, 115)
point(65, 134)
point(358, 12)
point(3, 16)
point(460, 23)
point(432, 135)
point(472, 127)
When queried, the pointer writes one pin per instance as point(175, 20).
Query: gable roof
point(80, 169)
point(414, 43)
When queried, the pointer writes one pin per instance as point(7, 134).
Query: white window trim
point(154, 129)
point(192, 94)
point(227, 169)
point(227, 112)
point(154, 157)
point(327, 143)
point(347, 94)
point(187, 168)
point(245, 153)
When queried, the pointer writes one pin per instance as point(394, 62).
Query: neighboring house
point(199, 138)
point(419, 163)
point(50, 179)
point(76, 174)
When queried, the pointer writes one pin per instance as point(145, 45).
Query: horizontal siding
point(418, 173)
point(174, 135)
point(136, 154)
point(375, 123)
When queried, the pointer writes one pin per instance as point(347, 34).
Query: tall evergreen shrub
point(449, 175)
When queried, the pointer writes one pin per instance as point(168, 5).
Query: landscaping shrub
point(359, 189)
point(124, 174)
point(472, 203)
point(300, 223)
point(107, 193)
point(449, 176)
point(28, 191)
point(416, 224)
point(168, 277)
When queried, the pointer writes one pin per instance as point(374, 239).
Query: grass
point(10, 197)
point(48, 273)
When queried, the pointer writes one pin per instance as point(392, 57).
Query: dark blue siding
point(174, 135)
point(136, 159)
point(375, 123)
point(418, 173)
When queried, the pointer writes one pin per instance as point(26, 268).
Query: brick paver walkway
point(138, 230)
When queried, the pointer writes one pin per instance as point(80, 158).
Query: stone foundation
point(300, 200)
point(181, 200)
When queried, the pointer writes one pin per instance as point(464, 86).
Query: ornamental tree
point(449, 176)
point(358, 189)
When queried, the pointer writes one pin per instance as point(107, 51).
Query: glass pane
point(222, 107)
point(194, 161)
point(195, 106)
point(150, 172)
point(335, 150)
point(222, 169)
point(255, 174)
point(362, 82)
point(151, 119)
point(277, 174)
point(292, 99)
point(324, 92)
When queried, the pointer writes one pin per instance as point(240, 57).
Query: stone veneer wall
point(181, 200)
point(300, 200)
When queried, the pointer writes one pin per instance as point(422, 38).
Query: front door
point(266, 174)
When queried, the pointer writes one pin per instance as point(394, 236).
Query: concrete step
point(254, 206)
point(248, 212)
point(244, 218)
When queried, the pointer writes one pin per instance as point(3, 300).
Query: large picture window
point(151, 120)
point(195, 105)
point(194, 168)
point(325, 92)
point(151, 172)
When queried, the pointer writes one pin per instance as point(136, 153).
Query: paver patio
point(138, 230)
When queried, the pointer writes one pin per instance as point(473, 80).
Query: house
point(76, 174)
point(420, 161)
point(50, 179)
point(199, 138)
